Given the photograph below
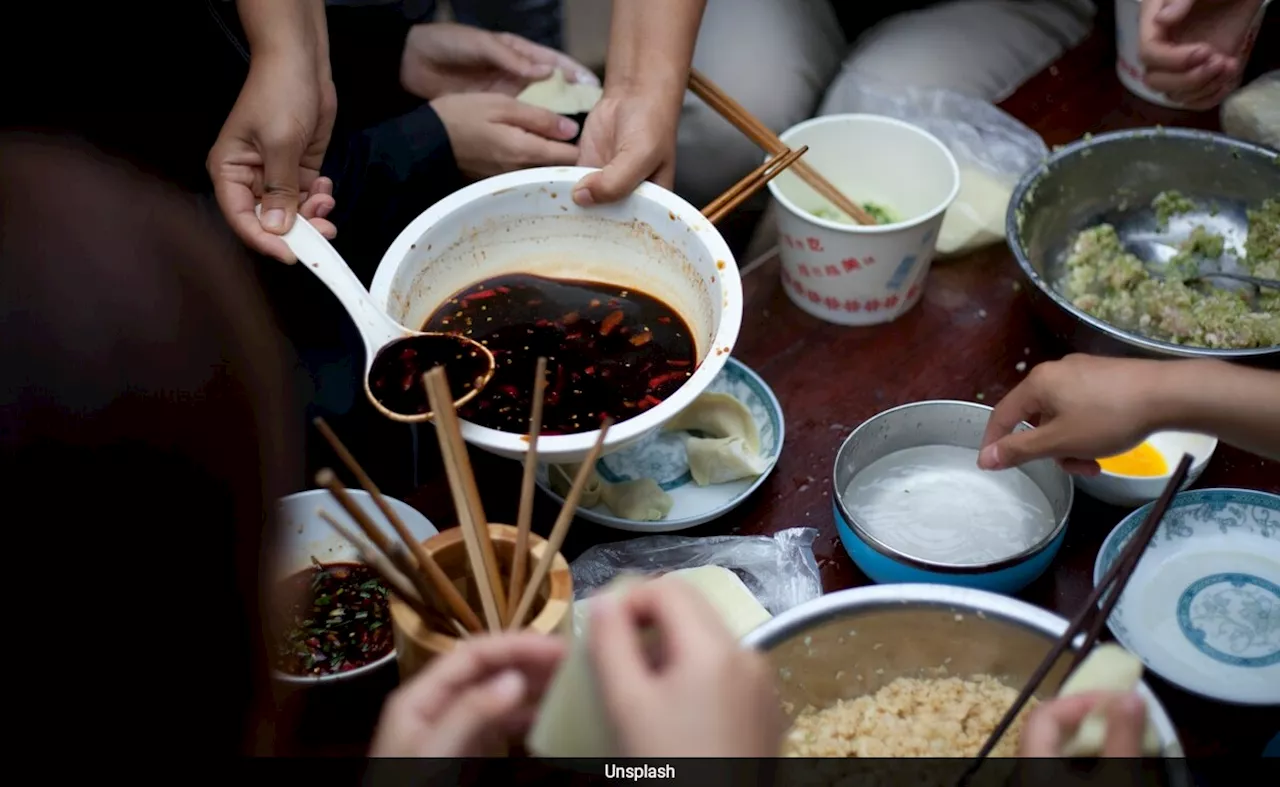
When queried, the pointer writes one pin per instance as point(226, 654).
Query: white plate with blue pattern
point(661, 456)
point(1202, 609)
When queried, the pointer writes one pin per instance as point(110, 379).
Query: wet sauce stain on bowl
point(611, 351)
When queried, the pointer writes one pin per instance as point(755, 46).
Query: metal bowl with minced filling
point(1108, 229)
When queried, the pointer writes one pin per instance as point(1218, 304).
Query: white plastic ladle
point(468, 363)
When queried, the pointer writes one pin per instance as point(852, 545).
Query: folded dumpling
point(641, 500)
point(718, 415)
point(560, 477)
point(721, 460)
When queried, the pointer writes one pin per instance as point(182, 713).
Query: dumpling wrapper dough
point(1111, 668)
point(718, 414)
point(721, 460)
point(977, 216)
point(561, 96)
point(572, 720)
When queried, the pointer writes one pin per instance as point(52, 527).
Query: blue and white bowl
point(941, 423)
point(1202, 609)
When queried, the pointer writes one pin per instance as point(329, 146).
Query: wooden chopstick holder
point(466, 499)
point(444, 590)
point(763, 137)
point(1112, 586)
point(741, 191)
point(561, 528)
point(524, 518)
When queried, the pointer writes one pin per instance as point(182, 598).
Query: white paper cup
point(852, 274)
point(1129, 64)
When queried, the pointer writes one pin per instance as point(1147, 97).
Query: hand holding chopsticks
point(760, 134)
point(1107, 592)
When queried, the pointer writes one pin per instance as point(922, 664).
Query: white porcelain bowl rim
point(726, 332)
point(860, 229)
point(1198, 464)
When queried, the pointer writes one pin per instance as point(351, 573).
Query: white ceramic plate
point(1132, 491)
point(661, 456)
point(305, 535)
point(1202, 609)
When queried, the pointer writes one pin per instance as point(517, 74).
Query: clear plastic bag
point(779, 570)
point(992, 149)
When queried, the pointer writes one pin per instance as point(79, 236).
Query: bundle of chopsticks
point(1097, 609)
point(412, 573)
point(762, 136)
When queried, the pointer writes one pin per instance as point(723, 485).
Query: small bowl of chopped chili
point(332, 613)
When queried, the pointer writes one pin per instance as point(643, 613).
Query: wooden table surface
point(964, 340)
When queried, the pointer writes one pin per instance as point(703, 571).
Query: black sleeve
point(384, 177)
point(365, 47)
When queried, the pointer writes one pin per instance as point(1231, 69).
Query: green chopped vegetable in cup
point(881, 214)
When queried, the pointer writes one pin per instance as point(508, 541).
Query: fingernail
point(568, 128)
point(989, 458)
point(508, 687)
point(273, 219)
point(583, 197)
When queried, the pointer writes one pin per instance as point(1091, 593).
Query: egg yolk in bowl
point(1144, 461)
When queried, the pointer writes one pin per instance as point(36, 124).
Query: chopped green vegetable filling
point(1168, 204)
point(881, 214)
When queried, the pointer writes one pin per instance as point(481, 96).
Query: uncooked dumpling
point(560, 477)
point(641, 500)
point(562, 96)
point(718, 415)
point(1108, 667)
point(721, 460)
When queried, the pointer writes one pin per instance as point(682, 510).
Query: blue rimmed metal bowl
point(941, 423)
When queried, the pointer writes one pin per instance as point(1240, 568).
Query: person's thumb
point(1022, 446)
point(619, 178)
point(1126, 727)
point(465, 729)
point(280, 193)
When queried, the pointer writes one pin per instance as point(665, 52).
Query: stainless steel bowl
point(851, 643)
point(1112, 178)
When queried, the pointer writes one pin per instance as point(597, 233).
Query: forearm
point(651, 46)
point(285, 27)
point(1239, 405)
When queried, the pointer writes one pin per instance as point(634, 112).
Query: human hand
point(1051, 724)
point(632, 135)
point(492, 134)
point(1087, 407)
point(696, 692)
point(471, 701)
point(271, 148)
point(442, 57)
point(1194, 51)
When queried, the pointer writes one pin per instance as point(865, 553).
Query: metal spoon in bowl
point(395, 357)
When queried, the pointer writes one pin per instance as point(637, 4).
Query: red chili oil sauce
point(395, 377)
point(338, 619)
point(611, 351)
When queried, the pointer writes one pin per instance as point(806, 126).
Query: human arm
point(1090, 407)
point(631, 133)
point(274, 139)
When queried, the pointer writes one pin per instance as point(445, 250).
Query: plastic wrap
point(992, 149)
point(779, 570)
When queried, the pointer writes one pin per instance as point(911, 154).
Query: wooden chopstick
point(466, 499)
point(524, 519)
point(760, 134)
point(561, 528)
point(727, 202)
point(395, 580)
point(443, 587)
point(1112, 585)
